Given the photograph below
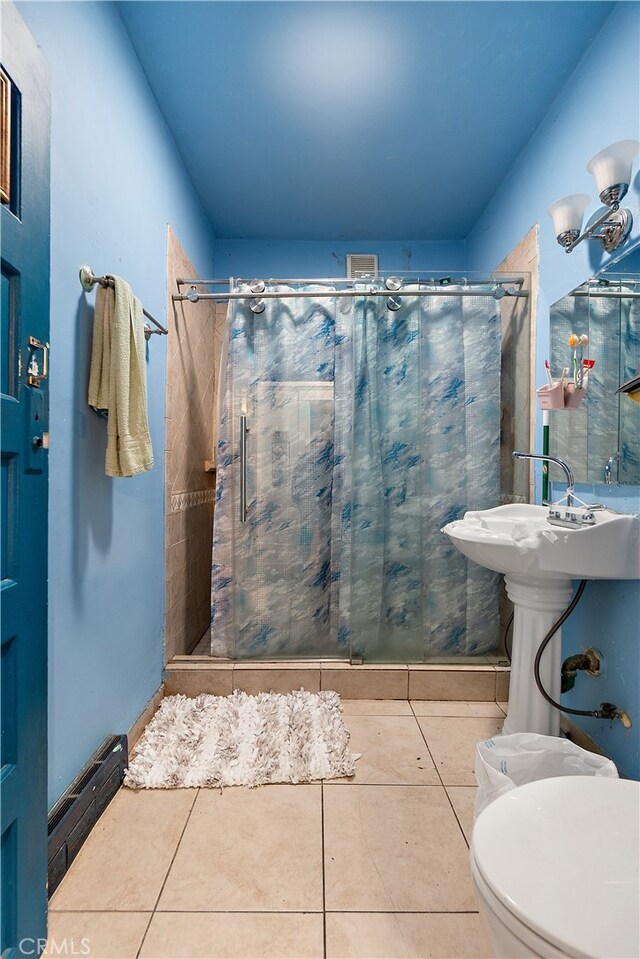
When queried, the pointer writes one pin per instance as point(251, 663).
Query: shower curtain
point(277, 579)
point(369, 429)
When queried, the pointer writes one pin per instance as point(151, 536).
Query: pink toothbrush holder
point(572, 396)
point(551, 397)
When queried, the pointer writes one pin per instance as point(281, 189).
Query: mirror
point(601, 438)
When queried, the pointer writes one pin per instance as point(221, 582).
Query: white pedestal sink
point(539, 562)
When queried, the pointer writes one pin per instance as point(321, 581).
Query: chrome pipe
point(611, 280)
point(607, 295)
point(568, 472)
point(336, 294)
point(488, 281)
point(184, 281)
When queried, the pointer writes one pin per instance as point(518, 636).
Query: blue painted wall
point(116, 182)
point(309, 258)
point(608, 618)
point(599, 104)
point(583, 119)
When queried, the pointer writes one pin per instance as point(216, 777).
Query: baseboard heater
point(79, 808)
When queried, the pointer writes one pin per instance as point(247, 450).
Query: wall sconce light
point(611, 169)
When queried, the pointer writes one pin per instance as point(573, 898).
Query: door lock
point(41, 442)
point(35, 377)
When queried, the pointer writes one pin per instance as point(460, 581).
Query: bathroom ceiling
point(354, 120)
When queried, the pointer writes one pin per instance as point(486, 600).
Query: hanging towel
point(118, 379)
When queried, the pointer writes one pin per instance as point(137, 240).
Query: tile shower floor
point(371, 867)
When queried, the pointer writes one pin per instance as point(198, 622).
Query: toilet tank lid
point(562, 855)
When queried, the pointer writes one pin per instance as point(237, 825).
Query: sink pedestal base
point(538, 603)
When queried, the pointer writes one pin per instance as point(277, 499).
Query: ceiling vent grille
point(362, 264)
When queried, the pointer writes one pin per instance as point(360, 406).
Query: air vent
point(362, 264)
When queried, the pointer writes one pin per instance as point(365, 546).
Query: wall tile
point(194, 681)
point(192, 359)
point(278, 680)
point(366, 682)
point(475, 684)
point(518, 333)
point(502, 685)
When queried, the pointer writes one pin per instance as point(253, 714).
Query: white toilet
point(556, 863)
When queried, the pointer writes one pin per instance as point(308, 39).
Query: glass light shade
point(613, 165)
point(567, 213)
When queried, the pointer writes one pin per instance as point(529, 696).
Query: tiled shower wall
point(517, 385)
point(192, 362)
point(518, 339)
point(193, 359)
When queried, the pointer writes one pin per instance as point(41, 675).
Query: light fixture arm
point(616, 224)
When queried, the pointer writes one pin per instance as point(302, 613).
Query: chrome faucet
point(609, 467)
point(568, 472)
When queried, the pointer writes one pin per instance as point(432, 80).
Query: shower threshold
point(468, 681)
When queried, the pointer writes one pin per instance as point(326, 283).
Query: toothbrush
point(564, 373)
point(573, 342)
point(577, 343)
point(584, 341)
point(548, 372)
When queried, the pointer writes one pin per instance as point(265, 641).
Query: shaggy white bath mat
point(242, 740)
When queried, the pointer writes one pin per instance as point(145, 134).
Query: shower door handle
point(244, 429)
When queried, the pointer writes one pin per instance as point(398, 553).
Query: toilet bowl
point(555, 864)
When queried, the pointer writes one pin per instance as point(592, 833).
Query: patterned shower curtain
point(426, 448)
point(369, 430)
point(278, 579)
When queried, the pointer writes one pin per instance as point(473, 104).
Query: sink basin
point(517, 540)
point(538, 561)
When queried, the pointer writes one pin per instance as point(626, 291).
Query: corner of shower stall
point(357, 419)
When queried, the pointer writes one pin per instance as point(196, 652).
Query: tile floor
point(373, 867)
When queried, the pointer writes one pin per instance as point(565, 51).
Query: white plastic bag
point(504, 762)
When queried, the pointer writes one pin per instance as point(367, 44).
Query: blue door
point(24, 443)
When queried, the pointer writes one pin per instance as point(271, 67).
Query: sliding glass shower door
point(284, 448)
point(426, 448)
point(354, 428)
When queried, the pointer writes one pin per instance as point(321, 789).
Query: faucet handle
point(608, 469)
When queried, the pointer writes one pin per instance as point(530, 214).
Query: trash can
point(504, 762)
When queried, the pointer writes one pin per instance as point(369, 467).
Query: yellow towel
point(118, 379)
